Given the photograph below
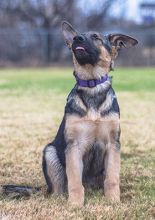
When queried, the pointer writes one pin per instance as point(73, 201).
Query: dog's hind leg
point(53, 170)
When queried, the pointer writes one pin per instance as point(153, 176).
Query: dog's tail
point(16, 191)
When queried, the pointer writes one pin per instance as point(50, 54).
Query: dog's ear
point(120, 41)
point(68, 33)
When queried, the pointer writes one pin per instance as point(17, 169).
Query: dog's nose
point(79, 38)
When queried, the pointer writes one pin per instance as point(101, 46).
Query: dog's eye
point(95, 36)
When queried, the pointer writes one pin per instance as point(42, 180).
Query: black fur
point(107, 45)
point(92, 101)
point(91, 54)
point(17, 192)
point(60, 142)
point(114, 108)
point(89, 100)
point(71, 106)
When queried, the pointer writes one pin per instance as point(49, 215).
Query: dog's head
point(94, 48)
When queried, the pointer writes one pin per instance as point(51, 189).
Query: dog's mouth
point(79, 48)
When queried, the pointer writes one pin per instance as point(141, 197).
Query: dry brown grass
point(28, 121)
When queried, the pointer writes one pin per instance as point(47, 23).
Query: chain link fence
point(39, 47)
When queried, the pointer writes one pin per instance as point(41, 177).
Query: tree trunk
point(48, 39)
point(48, 45)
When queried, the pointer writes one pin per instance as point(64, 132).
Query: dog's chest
point(91, 129)
point(90, 119)
point(93, 116)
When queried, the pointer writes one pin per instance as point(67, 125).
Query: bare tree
point(46, 14)
point(99, 14)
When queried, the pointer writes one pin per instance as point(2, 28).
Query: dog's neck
point(88, 71)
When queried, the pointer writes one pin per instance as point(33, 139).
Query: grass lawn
point(31, 108)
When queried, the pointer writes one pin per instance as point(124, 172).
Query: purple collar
point(91, 82)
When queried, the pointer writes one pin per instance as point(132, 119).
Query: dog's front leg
point(74, 168)
point(112, 170)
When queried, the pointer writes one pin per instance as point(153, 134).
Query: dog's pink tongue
point(80, 48)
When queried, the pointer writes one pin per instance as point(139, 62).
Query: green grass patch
point(62, 80)
point(134, 79)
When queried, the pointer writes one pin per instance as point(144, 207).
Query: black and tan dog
point(86, 149)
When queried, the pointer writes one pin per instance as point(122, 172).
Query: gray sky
point(133, 12)
point(127, 8)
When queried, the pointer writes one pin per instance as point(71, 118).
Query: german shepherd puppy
point(86, 149)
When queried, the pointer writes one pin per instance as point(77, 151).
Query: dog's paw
point(76, 198)
point(76, 204)
point(113, 196)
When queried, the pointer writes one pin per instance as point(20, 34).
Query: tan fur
point(88, 71)
point(91, 127)
point(105, 59)
point(114, 52)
